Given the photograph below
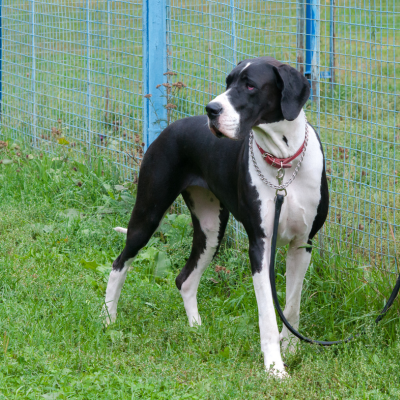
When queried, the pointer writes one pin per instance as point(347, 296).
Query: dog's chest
point(301, 203)
point(296, 219)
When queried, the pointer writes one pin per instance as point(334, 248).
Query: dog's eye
point(249, 87)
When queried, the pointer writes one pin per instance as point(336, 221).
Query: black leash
point(278, 205)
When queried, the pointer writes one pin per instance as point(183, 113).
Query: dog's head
point(260, 90)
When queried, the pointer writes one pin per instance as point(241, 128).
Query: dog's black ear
point(295, 90)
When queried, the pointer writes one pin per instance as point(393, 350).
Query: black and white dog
point(218, 176)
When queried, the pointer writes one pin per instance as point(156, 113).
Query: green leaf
point(63, 141)
point(151, 305)
point(224, 353)
point(7, 162)
point(52, 396)
point(90, 264)
point(163, 265)
point(48, 228)
point(105, 210)
point(153, 241)
point(305, 246)
point(91, 281)
point(181, 220)
point(171, 217)
point(66, 371)
point(149, 255)
point(21, 360)
point(115, 336)
point(107, 187)
point(104, 269)
point(70, 213)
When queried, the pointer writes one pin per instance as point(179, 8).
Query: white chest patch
point(303, 194)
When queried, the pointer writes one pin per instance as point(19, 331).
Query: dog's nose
point(213, 109)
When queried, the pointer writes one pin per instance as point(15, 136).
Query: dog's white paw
point(274, 364)
point(121, 230)
point(107, 318)
point(279, 373)
point(195, 321)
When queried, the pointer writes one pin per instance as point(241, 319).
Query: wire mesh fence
point(73, 76)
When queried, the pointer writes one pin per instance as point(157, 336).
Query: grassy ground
point(56, 217)
point(56, 248)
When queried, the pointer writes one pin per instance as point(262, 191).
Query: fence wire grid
point(73, 76)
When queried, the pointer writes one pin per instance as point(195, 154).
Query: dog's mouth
point(215, 131)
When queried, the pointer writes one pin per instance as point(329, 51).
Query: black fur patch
point(323, 206)
point(198, 248)
point(285, 140)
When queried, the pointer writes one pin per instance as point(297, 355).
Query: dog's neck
point(281, 139)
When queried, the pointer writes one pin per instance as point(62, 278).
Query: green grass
point(56, 248)
point(56, 238)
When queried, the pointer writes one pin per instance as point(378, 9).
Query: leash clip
point(279, 176)
point(281, 190)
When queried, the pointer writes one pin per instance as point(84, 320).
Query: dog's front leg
point(259, 252)
point(297, 262)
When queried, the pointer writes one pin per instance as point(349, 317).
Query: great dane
point(217, 176)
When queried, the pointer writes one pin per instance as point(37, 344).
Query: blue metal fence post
point(315, 62)
point(154, 68)
point(313, 45)
point(310, 35)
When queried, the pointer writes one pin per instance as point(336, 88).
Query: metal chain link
point(296, 170)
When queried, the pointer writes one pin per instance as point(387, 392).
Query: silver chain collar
point(281, 172)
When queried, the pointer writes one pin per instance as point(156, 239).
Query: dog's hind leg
point(297, 262)
point(140, 229)
point(157, 190)
point(114, 286)
point(209, 219)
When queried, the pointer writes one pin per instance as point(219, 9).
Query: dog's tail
point(121, 230)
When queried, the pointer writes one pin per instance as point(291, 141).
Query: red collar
point(280, 162)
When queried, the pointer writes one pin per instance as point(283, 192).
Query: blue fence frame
point(154, 68)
